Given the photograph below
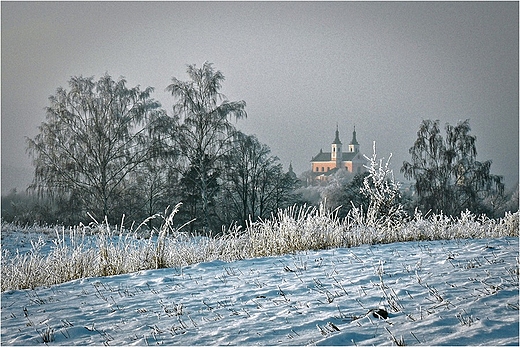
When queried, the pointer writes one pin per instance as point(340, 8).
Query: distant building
point(326, 163)
point(291, 174)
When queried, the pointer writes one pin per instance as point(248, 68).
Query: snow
point(459, 292)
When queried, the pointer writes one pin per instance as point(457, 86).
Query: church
point(326, 163)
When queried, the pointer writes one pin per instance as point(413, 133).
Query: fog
point(302, 68)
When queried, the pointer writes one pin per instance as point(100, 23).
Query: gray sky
point(302, 68)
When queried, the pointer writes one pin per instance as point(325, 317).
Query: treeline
point(107, 151)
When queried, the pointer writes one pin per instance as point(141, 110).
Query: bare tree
point(94, 135)
point(249, 168)
point(201, 128)
point(275, 188)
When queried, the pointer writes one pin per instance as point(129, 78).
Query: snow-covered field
point(457, 292)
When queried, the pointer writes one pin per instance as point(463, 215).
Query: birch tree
point(448, 177)
point(201, 129)
point(94, 135)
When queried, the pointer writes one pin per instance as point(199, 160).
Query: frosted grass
point(102, 250)
point(433, 293)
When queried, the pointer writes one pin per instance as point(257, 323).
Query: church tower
point(336, 154)
point(353, 147)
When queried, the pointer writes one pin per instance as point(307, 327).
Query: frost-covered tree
point(95, 134)
point(448, 177)
point(201, 129)
point(344, 190)
point(334, 194)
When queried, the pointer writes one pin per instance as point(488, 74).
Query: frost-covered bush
point(379, 186)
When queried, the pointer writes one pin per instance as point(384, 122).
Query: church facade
point(326, 163)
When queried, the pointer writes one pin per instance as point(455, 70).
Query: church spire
point(354, 145)
point(336, 154)
point(336, 140)
point(291, 172)
point(354, 140)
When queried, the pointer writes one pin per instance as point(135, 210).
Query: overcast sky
point(301, 67)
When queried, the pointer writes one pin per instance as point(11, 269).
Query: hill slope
point(462, 292)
